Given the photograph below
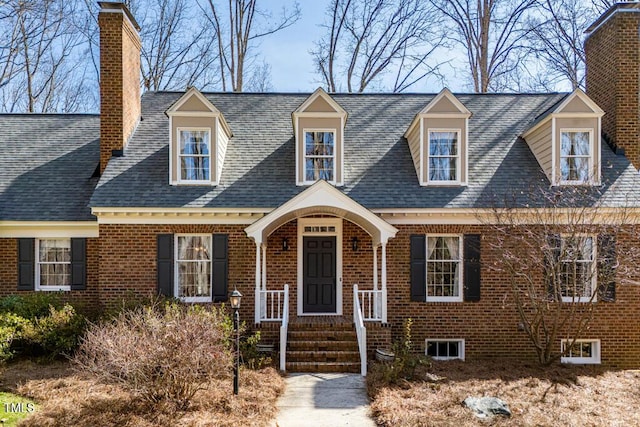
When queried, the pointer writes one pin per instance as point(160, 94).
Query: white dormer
point(438, 138)
point(566, 141)
point(318, 126)
point(198, 138)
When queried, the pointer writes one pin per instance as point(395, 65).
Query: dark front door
point(319, 274)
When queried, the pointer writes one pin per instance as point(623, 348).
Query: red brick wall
point(119, 82)
point(489, 327)
point(9, 273)
point(613, 74)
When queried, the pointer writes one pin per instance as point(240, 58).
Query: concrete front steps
point(314, 346)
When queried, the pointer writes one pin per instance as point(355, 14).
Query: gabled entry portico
point(319, 211)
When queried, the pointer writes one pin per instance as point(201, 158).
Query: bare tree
point(561, 261)
point(238, 27)
point(40, 57)
point(366, 39)
point(491, 33)
point(556, 40)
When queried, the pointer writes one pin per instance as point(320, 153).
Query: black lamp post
point(234, 298)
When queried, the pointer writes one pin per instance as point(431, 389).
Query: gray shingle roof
point(46, 165)
point(259, 165)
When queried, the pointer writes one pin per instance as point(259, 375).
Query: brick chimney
point(119, 79)
point(612, 51)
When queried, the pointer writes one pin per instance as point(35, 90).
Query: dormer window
point(318, 126)
point(438, 141)
point(576, 155)
point(444, 155)
point(319, 155)
point(566, 141)
point(198, 139)
point(195, 155)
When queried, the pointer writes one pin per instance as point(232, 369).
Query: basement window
point(580, 352)
point(445, 349)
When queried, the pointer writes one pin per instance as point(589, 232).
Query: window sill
point(580, 360)
point(199, 183)
point(444, 299)
point(195, 299)
point(579, 300)
point(53, 288)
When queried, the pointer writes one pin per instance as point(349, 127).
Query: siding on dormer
point(539, 142)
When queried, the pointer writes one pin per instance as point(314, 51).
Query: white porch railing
point(371, 305)
point(284, 329)
point(272, 305)
point(361, 331)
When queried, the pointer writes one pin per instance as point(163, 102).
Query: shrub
point(406, 360)
point(31, 306)
point(39, 324)
point(162, 353)
point(55, 334)
point(251, 357)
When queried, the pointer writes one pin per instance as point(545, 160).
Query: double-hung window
point(53, 264)
point(578, 268)
point(444, 255)
point(444, 155)
point(195, 155)
point(319, 155)
point(193, 267)
point(576, 155)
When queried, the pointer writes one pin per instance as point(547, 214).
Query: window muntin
point(445, 349)
point(444, 155)
point(575, 155)
point(195, 155)
point(578, 268)
point(53, 268)
point(193, 267)
point(319, 155)
point(444, 255)
point(582, 351)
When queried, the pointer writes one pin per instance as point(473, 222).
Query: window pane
point(319, 143)
point(54, 262)
point(443, 266)
point(319, 168)
point(574, 156)
point(194, 266)
point(194, 155)
point(443, 143)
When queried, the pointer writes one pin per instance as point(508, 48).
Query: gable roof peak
point(446, 95)
point(322, 94)
point(581, 95)
point(188, 94)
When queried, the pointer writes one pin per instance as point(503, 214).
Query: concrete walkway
point(319, 400)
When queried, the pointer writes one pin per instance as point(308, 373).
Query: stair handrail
point(361, 331)
point(284, 329)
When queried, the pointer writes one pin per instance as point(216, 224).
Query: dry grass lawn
point(66, 398)
point(560, 395)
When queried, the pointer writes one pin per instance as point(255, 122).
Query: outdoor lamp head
point(234, 298)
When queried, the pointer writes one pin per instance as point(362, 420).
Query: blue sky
point(287, 51)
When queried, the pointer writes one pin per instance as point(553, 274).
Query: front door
point(319, 274)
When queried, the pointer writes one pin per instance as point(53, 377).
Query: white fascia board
point(48, 229)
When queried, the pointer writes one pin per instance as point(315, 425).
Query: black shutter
point(26, 264)
point(165, 264)
point(78, 264)
point(551, 270)
point(607, 264)
point(471, 252)
point(220, 267)
point(418, 258)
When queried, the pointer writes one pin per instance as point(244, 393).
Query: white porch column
point(376, 301)
point(384, 282)
point(257, 292)
point(264, 267)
